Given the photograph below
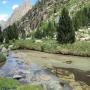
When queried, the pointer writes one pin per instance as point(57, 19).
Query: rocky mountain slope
point(18, 13)
point(2, 24)
point(46, 10)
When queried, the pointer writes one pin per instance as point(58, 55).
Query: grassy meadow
point(79, 48)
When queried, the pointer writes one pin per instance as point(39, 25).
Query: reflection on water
point(80, 75)
point(15, 68)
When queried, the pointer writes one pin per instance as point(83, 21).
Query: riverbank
point(79, 48)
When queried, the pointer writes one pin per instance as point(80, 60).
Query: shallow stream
point(17, 69)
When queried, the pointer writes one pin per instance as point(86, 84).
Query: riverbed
point(46, 59)
point(32, 73)
point(78, 67)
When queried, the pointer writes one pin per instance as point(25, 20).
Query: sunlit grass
point(8, 83)
point(80, 48)
point(30, 87)
point(11, 84)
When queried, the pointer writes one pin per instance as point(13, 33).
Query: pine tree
point(15, 31)
point(65, 31)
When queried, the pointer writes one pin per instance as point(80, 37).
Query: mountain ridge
point(18, 13)
point(49, 10)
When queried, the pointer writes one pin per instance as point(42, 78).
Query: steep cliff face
point(46, 10)
point(18, 13)
point(40, 12)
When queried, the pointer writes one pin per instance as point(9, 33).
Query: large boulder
point(17, 77)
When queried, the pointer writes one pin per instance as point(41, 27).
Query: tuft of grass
point(8, 83)
point(30, 87)
point(11, 84)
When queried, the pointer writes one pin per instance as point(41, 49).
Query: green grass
point(89, 32)
point(30, 87)
point(10, 84)
point(79, 48)
point(27, 44)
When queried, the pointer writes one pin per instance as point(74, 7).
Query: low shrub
point(2, 57)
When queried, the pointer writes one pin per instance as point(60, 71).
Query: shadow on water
point(80, 75)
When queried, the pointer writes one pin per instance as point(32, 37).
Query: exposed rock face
point(40, 12)
point(18, 13)
point(46, 10)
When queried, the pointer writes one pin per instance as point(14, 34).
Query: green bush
point(8, 83)
point(2, 57)
point(46, 30)
point(82, 18)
